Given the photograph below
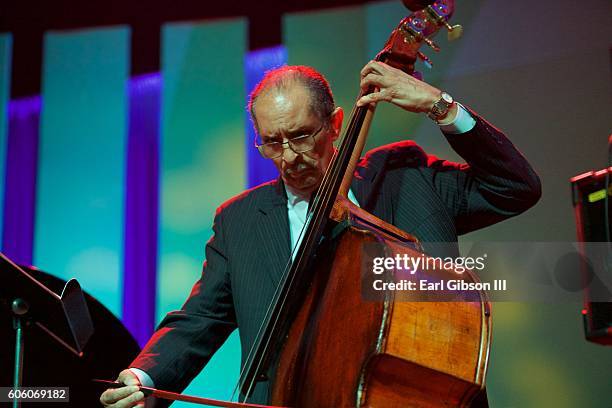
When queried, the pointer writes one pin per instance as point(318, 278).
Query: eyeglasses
point(299, 144)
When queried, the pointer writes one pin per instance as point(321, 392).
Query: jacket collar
point(276, 198)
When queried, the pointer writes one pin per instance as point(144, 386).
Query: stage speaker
point(592, 207)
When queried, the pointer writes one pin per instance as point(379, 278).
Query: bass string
point(321, 202)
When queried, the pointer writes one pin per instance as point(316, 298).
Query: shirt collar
point(293, 199)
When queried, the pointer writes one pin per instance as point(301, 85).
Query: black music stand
point(65, 318)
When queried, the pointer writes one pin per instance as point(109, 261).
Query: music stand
point(65, 318)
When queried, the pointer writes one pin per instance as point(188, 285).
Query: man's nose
point(289, 155)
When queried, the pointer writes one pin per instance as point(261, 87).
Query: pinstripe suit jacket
point(433, 199)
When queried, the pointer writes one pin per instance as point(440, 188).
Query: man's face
point(286, 114)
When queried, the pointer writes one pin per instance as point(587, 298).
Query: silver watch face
point(447, 98)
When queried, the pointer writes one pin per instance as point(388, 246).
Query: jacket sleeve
point(495, 183)
point(186, 339)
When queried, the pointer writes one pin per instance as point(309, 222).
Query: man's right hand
point(124, 397)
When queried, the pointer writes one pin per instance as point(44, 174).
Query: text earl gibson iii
point(407, 264)
point(442, 285)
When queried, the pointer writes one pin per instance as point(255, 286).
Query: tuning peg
point(425, 59)
point(454, 32)
point(431, 43)
point(440, 15)
point(417, 35)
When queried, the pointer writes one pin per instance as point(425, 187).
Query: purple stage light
point(20, 179)
point(142, 206)
point(256, 63)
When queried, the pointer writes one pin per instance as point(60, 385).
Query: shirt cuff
point(144, 378)
point(464, 122)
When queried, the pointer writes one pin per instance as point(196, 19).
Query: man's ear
point(336, 122)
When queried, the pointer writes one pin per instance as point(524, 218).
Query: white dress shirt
point(297, 209)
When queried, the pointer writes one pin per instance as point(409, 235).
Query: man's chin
point(301, 187)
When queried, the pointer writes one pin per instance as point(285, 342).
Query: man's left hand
point(397, 87)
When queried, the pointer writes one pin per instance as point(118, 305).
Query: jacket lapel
point(273, 231)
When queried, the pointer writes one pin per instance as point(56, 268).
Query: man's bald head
point(286, 77)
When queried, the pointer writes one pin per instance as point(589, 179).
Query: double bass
point(321, 343)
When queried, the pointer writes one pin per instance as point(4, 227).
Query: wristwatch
point(441, 107)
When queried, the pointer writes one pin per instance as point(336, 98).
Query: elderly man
point(297, 122)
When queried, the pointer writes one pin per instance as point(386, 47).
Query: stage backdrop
point(541, 72)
